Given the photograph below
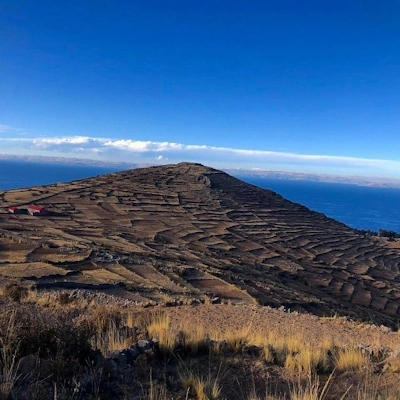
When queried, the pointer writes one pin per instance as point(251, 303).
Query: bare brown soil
point(187, 231)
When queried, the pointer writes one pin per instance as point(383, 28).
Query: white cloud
point(138, 145)
point(5, 128)
point(125, 149)
point(69, 140)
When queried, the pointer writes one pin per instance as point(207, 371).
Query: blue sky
point(310, 86)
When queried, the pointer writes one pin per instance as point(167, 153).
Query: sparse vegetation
point(9, 360)
point(350, 359)
point(153, 355)
point(204, 388)
point(14, 292)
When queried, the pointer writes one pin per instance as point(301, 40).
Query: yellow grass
point(370, 389)
point(295, 352)
point(112, 339)
point(102, 317)
point(311, 389)
point(193, 337)
point(308, 360)
point(233, 340)
point(194, 384)
point(393, 365)
point(203, 388)
point(350, 359)
point(130, 319)
point(300, 357)
point(160, 329)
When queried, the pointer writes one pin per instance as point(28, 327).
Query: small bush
point(15, 292)
point(50, 335)
point(63, 298)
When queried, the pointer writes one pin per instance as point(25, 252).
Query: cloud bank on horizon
point(155, 152)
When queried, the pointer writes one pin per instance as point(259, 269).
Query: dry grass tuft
point(102, 317)
point(370, 389)
point(9, 363)
point(311, 389)
point(350, 359)
point(204, 388)
point(112, 338)
point(193, 338)
point(155, 392)
point(160, 329)
point(308, 360)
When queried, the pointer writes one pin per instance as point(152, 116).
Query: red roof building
point(13, 210)
point(36, 210)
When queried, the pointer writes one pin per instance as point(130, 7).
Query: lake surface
point(357, 206)
point(360, 207)
point(19, 174)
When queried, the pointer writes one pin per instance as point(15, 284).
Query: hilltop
point(185, 233)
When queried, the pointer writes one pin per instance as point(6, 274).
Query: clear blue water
point(19, 174)
point(357, 206)
point(360, 207)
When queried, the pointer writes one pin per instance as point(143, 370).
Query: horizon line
point(360, 180)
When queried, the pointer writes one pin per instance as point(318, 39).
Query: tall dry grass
point(9, 362)
point(160, 329)
point(307, 360)
point(371, 389)
point(111, 339)
point(311, 389)
point(206, 387)
point(111, 329)
point(350, 359)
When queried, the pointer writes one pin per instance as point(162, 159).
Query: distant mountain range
point(355, 180)
point(72, 161)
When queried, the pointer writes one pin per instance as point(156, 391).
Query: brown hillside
point(187, 231)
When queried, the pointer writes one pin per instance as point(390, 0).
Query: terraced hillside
point(187, 231)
